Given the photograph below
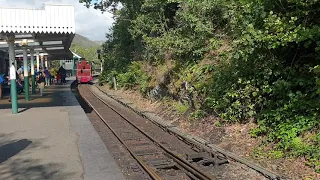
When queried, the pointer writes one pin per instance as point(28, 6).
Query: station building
point(35, 36)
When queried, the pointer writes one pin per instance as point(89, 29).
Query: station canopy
point(49, 29)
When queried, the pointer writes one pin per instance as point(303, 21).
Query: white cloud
point(90, 23)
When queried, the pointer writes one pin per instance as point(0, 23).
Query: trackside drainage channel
point(82, 102)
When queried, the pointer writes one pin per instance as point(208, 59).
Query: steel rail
point(207, 146)
point(185, 164)
point(147, 168)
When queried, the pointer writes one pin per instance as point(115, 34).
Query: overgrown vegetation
point(86, 49)
point(243, 60)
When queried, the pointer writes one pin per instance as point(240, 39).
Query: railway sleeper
point(195, 157)
point(162, 163)
point(213, 162)
point(207, 159)
point(146, 152)
point(132, 139)
point(141, 144)
point(136, 168)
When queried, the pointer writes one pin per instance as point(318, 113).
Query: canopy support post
point(33, 86)
point(12, 74)
point(26, 74)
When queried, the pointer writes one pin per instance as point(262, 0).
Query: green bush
point(263, 61)
point(134, 77)
point(181, 108)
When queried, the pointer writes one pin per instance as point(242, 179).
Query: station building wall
point(4, 62)
point(67, 64)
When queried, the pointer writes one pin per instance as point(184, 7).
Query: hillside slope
point(85, 48)
point(228, 63)
point(83, 41)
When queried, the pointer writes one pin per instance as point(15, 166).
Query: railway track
point(157, 159)
point(153, 150)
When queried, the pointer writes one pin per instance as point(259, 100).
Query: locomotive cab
point(84, 71)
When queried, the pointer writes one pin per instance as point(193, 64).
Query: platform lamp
point(24, 44)
point(99, 57)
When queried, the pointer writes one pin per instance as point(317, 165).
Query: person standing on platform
point(30, 79)
point(47, 76)
point(63, 74)
point(20, 75)
point(35, 75)
point(20, 70)
point(58, 78)
point(41, 82)
point(1, 81)
point(53, 73)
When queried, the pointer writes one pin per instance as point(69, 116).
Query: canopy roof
point(76, 55)
point(48, 30)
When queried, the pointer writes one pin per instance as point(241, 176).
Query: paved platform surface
point(52, 138)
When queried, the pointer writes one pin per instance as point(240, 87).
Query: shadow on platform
point(52, 96)
point(21, 168)
point(9, 150)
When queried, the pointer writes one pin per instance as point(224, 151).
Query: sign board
point(12, 72)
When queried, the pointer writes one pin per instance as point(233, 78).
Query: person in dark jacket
point(63, 74)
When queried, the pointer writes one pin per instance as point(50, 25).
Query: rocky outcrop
point(158, 92)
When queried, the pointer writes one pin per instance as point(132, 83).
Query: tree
point(248, 59)
point(89, 54)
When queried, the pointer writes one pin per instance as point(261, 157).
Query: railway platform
point(52, 138)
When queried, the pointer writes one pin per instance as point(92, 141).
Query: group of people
point(43, 78)
point(54, 76)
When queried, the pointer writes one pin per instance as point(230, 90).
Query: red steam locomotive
point(84, 71)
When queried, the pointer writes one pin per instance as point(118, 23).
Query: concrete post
point(15, 63)
point(33, 86)
point(38, 61)
point(26, 74)
point(42, 64)
point(46, 65)
point(12, 68)
point(13, 89)
point(46, 62)
point(101, 68)
point(10, 40)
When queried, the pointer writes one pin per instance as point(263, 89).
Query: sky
point(90, 23)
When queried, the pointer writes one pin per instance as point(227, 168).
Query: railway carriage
point(84, 71)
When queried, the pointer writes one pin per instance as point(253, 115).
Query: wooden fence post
point(114, 83)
